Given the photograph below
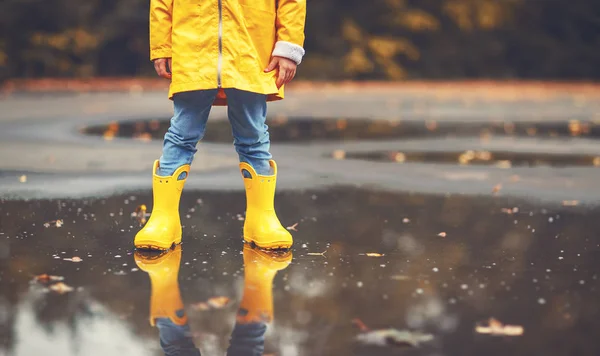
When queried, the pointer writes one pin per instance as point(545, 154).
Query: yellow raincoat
point(226, 43)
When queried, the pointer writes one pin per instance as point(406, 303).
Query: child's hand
point(287, 70)
point(163, 67)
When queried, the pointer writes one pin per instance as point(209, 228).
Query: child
point(238, 53)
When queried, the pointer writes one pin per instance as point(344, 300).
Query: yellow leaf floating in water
point(293, 227)
point(218, 302)
point(496, 328)
point(140, 214)
point(317, 253)
point(212, 303)
point(44, 278)
point(374, 254)
point(61, 288)
point(57, 223)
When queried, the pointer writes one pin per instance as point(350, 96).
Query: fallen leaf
point(218, 302)
point(359, 323)
point(496, 328)
point(399, 157)
point(503, 164)
point(406, 220)
point(317, 253)
point(140, 214)
point(23, 179)
point(57, 223)
point(45, 278)
point(393, 337)
point(201, 306)
point(212, 303)
point(442, 234)
point(61, 288)
point(73, 259)
point(570, 202)
point(339, 154)
point(293, 227)
point(496, 188)
point(374, 254)
point(400, 277)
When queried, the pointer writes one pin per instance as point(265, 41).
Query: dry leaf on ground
point(339, 154)
point(61, 288)
point(442, 234)
point(570, 202)
point(45, 278)
point(497, 188)
point(495, 327)
point(73, 259)
point(293, 227)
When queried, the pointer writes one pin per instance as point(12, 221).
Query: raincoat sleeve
point(291, 15)
point(161, 25)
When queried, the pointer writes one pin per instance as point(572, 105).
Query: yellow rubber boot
point(260, 268)
point(163, 270)
point(163, 229)
point(262, 227)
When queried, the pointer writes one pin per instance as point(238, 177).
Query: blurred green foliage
point(345, 39)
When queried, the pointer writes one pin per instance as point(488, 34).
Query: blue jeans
point(247, 112)
point(176, 340)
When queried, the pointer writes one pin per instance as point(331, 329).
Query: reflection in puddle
point(420, 265)
point(255, 310)
point(496, 158)
point(283, 129)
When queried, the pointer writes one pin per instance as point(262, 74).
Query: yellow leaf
point(61, 288)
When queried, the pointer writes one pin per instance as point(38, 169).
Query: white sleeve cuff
point(288, 50)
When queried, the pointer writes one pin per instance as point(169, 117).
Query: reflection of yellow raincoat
point(226, 43)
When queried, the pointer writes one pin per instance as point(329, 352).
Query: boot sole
point(274, 246)
point(151, 247)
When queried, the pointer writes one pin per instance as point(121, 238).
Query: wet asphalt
point(410, 235)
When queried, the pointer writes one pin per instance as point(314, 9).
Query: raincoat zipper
point(220, 62)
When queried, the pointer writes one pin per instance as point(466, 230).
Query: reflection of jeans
point(247, 113)
point(247, 340)
point(176, 340)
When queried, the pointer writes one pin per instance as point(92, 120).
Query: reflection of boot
point(166, 306)
point(262, 226)
point(256, 308)
point(163, 269)
point(163, 229)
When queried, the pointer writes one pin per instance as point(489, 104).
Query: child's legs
point(247, 113)
point(187, 128)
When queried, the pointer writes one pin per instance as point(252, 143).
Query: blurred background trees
point(345, 39)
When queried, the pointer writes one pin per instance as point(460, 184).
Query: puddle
point(496, 158)
point(436, 265)
point(311, 129)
